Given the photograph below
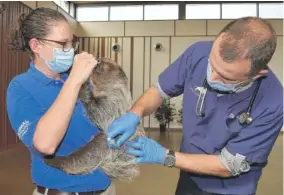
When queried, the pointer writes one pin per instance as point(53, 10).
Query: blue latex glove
point(122, 129)
point(146, 151)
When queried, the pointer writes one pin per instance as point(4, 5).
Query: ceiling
point(88, 2)
point(120, 2)
point(95, 2)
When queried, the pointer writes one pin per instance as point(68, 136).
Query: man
point(232, 112)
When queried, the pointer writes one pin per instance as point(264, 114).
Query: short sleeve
point(23, 112)
point(256, 141)
point(171, 81)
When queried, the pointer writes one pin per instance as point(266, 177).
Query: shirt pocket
point(218, 132)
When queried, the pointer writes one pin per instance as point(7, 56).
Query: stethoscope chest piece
point(244, 118)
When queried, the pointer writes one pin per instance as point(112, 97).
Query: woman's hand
point(82, 67)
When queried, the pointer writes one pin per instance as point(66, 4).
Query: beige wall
point(141, 62)
point(52, 5)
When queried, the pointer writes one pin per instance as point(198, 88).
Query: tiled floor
point(154, 180)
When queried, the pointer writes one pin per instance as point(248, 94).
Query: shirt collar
point(39, 76)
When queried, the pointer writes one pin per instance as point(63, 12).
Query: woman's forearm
point(147, 103)
point(52, 127)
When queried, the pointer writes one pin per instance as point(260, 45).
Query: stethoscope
point(244, 117)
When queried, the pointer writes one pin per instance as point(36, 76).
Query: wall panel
point(118, 57)
point(106, 49)
point(159, 61)
point(100, 29)
point(146, 73)
point(149, 28)
point(276, 63)
point(86, 44)
point(73, 23)
point(47, 4)
point(92, 46)
point(138, 66)
point(215, 26)
point(190, 27)
point(12, 64)
point(277, 25)
point(126, 57)
point(30, 4)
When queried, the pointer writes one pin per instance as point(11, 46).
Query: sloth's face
point(107, 76)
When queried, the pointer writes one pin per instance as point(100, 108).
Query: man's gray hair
point(249, 38)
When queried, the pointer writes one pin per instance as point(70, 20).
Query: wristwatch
point(170, 159)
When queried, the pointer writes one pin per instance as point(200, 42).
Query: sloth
point(105, 97)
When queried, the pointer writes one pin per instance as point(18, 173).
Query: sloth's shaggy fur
point(105, 97)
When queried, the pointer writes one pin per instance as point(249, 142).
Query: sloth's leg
point(96, 154)
point(84, 160)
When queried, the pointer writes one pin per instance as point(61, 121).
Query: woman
point(43, 105)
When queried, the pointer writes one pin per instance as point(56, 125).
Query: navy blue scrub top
point(217, 130)
point(29, 96)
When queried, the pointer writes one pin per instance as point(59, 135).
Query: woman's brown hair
point(36, 24)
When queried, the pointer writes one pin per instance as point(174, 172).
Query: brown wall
point(11, 64)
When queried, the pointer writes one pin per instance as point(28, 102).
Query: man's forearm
point(201, 164)
point(147, 103)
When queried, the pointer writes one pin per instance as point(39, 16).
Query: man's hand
point(146, 150)
point(122, 129)
point(149, 151)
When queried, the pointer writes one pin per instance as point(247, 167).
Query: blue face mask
point(222, 86)
point(61, 61)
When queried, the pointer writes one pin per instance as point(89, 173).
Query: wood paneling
point(190, 27)
point(11, 64)
point(48, 4)
point(277, 25)
point(276, 63)
point(146, 73)
point(31, 4)
point(100, 29)
point(160, 60)
point(149, 28)
point(73, 23)
point(138, 66)
point(215, 26)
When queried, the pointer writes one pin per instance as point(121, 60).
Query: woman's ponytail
point(17, 40)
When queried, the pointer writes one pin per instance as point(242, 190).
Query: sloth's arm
point(84, 160)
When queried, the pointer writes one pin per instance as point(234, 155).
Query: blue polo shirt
point(219, 128)
point(29, 96)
